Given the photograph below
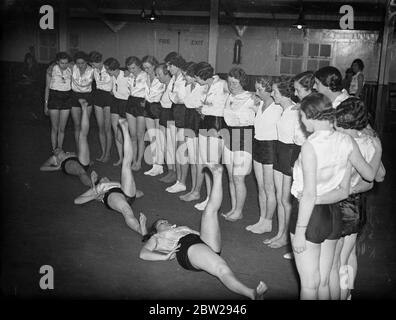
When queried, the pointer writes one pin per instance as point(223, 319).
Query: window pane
point(298, 49)
point(286, 49)
point(325, 50)
point(324, 63)
point(296, 66)
point(313, 50)
point(312, 65)
point(285, 66)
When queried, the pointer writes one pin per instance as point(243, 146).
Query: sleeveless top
point(60, 79)
point(103, 80)
point(353, 87)
point(169, 239)
point(367, 149)
point(265, 122)
point(82, 83)
point(120, 86)
point(289, 127)
point(332, 150)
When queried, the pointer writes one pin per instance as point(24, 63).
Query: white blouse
point(239, 110)
point(332, 150)
point(121, 86)
point(168, 240)
point(103, 80)
point(154, 90)
point(82, 82)
point(165, 101)
point(137, 85)
point(265, 122)
point(289, 127)
point(354, 83)
point(60, 80)
point(178, 89)
point(194, 97)
point(215, 98)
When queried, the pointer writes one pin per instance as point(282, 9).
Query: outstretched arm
point(87, 196)
point(50, 165)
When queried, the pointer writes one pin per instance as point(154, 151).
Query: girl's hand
point(46, 109)
point(299, 241)
point(171, 255)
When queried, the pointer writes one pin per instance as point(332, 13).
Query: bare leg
point(117, 137)
point(64, 116)
point(83, 147)
point(230, 169)
point(118, 203)
point(170, 154)
point(133, 132)
point(102, 138)
point(54, 117)
point(348, 265)
point(141, 128)
point(108, 135)
point(153, 137)
point(334, 277)
point(76, 116)
point(327, 250)
point(127, 181)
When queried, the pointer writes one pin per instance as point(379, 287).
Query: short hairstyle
point(317, 106)
point(133, 60)
point(285, 85)
point(239, 74)
point(330, 77)
point(164, 69)
point(169, 56)
point(95, 57)
point(151, 60)
point(306, 80)
point(62, 55)
point(204, 70)
point(266, 82)
point(352, 114)
point(177, 61)
point(189, 68)
point(359, 62)
point(112, 64)
point(80, 55)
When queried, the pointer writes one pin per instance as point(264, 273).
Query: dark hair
point(164, 69)
point(239, 74)
point(62, 55)
point(189, 68)
point(285, 85)
point(133, 60)
point(112, 64)
point(152, 231)
point(352, 114)
point(80, 55)
point(150, 59)
point(204, 70)
point(177, 61)
point(330, 77)
point(359, 62)
point(169, 56)
point(266, 82)
point(349, 70)
point(306, 80)
point(317, 106)
point(95, 57)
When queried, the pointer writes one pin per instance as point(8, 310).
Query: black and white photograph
point(198, 151)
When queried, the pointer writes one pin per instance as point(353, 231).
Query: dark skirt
point(135, 106)
point(59, 100)
point(118, 106)
point(75, 96)
point(239, 138)
point(102, 98)
point(264, 151)
point(285, 156)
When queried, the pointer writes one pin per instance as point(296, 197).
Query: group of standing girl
point(309, 142)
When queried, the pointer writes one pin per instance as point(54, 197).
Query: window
point(296, 57)
point(48, 45)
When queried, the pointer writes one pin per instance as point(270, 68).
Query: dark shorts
point(264, 151)
point(239, 138)
point(152, 110)
point(135, 107)
point(102, 98)
point(285, 156)
point(351, 210)
point(210, 126)
point(179, 114)
point(166, 115)
point(105, 200)
point(182, 255)
point(118, 106)
point(75, 96)
point(324, 224)
point(59, 100)
point(75, 159)
point(191, 120)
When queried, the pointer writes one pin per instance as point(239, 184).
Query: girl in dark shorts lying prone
point(118, 196)
point(198, 251)
point(69, 162)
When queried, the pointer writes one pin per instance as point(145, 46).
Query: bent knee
point(222, 269)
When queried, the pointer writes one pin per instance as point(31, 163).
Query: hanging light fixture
point(300, 23)
point(153, 16)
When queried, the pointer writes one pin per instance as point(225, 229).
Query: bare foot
point(106, 158)
point(192, 196)
point(262, 226)
point(136, 166)
point(170, 177)
point(116, 164)
point(183, 196)
point(100, 159)
point(281, 242)
point(269, 241)
point(234, 216)
point(260, 290)
point(225, 215)
point(139, 194)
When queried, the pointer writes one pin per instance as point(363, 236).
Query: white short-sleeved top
point(194, 97)
point(265, 122)
point(82, 82)
point(289, 127)
point(215, 98)
point(239, 110)
point(60, 79)
point(353, 87)
point(137, 84)
point(367, 149)
point(103, 79)
point(178, 89)
point(154, 90)
point(121, 86)
point(165, 101)
point(340, 98)
point(332, 150)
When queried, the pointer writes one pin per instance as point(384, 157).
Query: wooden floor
point(95, 255)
